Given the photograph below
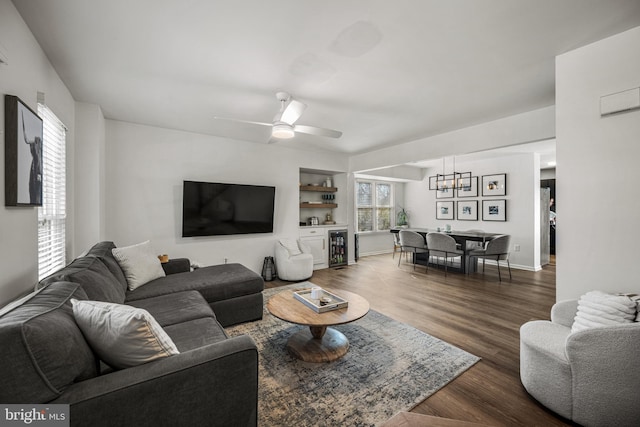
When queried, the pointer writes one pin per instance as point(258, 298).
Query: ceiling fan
point(283, 126)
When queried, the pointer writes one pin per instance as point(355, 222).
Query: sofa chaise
point(45, 357)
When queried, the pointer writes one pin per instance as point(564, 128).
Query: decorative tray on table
point(326, 302)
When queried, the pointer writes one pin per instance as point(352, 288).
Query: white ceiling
point(382, 72)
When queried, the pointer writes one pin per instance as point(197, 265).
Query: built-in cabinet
point(320, 217)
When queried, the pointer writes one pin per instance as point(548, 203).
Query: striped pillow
point(598, 309)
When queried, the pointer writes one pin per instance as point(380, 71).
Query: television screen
point(212, 209)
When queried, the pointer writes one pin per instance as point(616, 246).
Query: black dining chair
point(498, 249)
point(412, 242)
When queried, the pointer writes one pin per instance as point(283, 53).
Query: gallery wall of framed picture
point(489, 187)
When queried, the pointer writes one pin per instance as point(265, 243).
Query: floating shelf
point(318, 188)
point(318, 205)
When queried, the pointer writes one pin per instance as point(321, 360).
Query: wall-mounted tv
point(213, 209)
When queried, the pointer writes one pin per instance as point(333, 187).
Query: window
point(52, 215)
point(374, 205)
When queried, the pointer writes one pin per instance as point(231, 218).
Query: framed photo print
point(467, 210)
point(23, 154)
point(494, 210)
point(468, 187)
point(494, 185)
point(447, 193)
point(444, 210)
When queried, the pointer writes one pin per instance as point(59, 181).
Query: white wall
point(597, 169)
point(27, 73)
point(145, 167)
point(89, 176)
point(523, 204)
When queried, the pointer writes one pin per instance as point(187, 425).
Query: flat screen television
point(213, 209)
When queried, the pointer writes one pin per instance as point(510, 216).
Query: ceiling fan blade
point(243, 121)
point(293, 111)
point(312, 130)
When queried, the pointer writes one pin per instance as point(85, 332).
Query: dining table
point(461, 237)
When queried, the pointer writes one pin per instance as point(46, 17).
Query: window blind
point(52, 215)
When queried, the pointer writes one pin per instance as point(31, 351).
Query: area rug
point(390, 367)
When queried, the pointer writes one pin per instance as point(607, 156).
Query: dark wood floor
point(476, 313)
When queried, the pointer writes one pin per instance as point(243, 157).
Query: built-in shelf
point(318, 188)
point(318, 205)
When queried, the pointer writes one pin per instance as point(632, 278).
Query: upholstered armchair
point(294, 260)
point(590, 376)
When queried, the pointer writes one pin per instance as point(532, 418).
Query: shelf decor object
point(494, 185)
point(494, 210)
point(445, 210)
point(23, 154)
point(467, 210)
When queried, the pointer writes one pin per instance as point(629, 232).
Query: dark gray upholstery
point(44, 357)
point(43, 351)
point(94, 277)
point(215, 283)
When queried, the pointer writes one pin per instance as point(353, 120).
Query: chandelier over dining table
point(452, 180)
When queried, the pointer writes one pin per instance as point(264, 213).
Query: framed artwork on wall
point(494, 210)
point(447, 193)
point(467, 210)
point(22, 154)
point(494, 185)
point(444, 210)
point(468, 187)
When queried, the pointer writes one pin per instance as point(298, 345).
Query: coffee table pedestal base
point(318, 344)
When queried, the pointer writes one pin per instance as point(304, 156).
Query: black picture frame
point(468, 187)
point(467, 210)
point(23, 165)
point(494, 210)
point(445, 210)
point(494, 185)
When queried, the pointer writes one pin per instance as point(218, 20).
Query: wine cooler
point(337, 248)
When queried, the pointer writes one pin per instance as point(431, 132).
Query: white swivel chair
point(442, 245)
point(590, 376)
point(294, 260)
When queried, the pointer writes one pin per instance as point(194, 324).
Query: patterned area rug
point(390, 367)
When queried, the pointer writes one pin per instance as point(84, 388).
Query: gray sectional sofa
point(44, 357)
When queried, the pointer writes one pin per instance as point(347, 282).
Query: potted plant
point(403, 219)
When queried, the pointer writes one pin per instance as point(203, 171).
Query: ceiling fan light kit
point(282, 131)
point(283, 126)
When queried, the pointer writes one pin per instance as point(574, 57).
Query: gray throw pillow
point(139, 264)
point(121, 335)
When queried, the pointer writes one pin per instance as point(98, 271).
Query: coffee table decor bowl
point(319, 342)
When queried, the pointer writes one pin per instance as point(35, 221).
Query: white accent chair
point(591, 377)
point(294, 260)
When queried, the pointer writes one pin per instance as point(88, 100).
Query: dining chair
point(396, 244)
point(442, 245)
point(410, 241)
point(498, 249)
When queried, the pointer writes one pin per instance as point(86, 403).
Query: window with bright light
point(374, 204)
point(52, 215)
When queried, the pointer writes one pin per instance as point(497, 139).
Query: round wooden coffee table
point(319, 343)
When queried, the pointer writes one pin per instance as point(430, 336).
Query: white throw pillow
point(291, 246)
point(121, 335)
point(597, 309)
point(139, 264)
